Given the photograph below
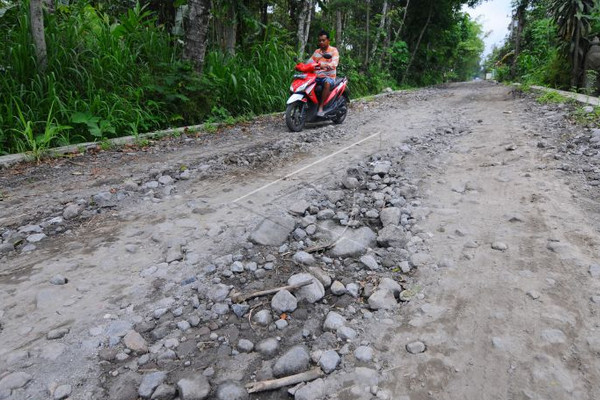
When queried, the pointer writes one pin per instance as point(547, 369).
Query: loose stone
point(150, 382)
point(595, 270)
point(303, 258)
point(268, 347)
point(295, 360)
point(363, 353)
point(263, 317)
point(135, 342)
point(62, 392)
point(273, 231)
point(382, 299)
point(194, 388)
point(57, 333)
point(231, 390)
point(245, 346)
point(281, 324)
point(58, 280)
point(346, 333)
point(499, 246)
point(353, 289)
point(333, 321)
point(311, 293)
point(415, 347)
point(338, 288)
point(370, 262)
point(329, 361)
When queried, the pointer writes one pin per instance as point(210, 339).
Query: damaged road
point(440, 244)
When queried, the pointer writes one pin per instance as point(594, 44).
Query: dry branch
point(285, 381)
point(239, 298)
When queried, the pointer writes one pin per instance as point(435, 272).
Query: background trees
point(92, 70)
point(548, 42)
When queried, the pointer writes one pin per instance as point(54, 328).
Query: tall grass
point(97, 72)
point(251, 83)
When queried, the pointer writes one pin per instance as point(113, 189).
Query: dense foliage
point(548, 43)
point(114, 68)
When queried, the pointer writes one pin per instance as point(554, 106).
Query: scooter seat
point(337, 82)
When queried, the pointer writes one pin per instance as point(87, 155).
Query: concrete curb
point(12, 159)
point(582, 98)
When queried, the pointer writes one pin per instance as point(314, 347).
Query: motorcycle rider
point(326, 73)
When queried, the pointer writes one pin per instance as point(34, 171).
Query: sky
point(494, 15)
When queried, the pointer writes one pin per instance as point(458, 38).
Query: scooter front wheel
point(295, 116)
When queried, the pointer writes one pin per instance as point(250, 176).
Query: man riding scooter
point(326, 73)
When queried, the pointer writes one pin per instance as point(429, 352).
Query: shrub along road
point(449, 235)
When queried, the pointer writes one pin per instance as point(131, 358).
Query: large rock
point(218, 293)
point(382, 299)
point(194, 388)
point(382, 167)
point(273, 231)
point(283, 302)
point(311, 293)
point(392, 236)
point(135, 342)
point(231, 390)
point(14, 380)
point(315, 390)
point(124, 386)
point(150, 382)
point(329, 361)
point(303, 258)
point(354, 243)
point(391, 285)
point(333, 321)
point(268, 347)
point(370, 262)
point(294, 361)
point(390, 216)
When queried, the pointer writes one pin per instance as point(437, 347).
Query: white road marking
point(306, 167)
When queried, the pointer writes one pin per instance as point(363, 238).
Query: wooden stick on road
point(285, 381)
point(239, 298)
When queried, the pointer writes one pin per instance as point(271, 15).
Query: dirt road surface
point(450, 235)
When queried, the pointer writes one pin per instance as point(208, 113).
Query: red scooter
point(303, 104)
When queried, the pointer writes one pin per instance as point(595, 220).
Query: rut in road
point(474, 276)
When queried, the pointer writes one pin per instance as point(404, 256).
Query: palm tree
point(573, 20)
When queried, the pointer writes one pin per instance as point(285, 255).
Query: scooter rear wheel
point(343, 111)
point(295, 116)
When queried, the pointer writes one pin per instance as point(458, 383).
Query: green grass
point(552, 97)
point(586, 118)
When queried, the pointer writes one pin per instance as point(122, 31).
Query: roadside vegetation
point(548, 43)
point(77, 71)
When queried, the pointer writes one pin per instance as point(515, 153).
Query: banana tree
point(574, 22)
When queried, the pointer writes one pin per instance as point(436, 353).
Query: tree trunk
point(412, 56)
point(338, 28)
point(388, 32)
point(37, 33)
point(403, 19)
point(49, 5)
point(381, 29)
point(366, 63)
point(308, 20)
point(575, 76)
point(520, 24)
point(196, 31)
point(231, 30)
point(304, 17)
